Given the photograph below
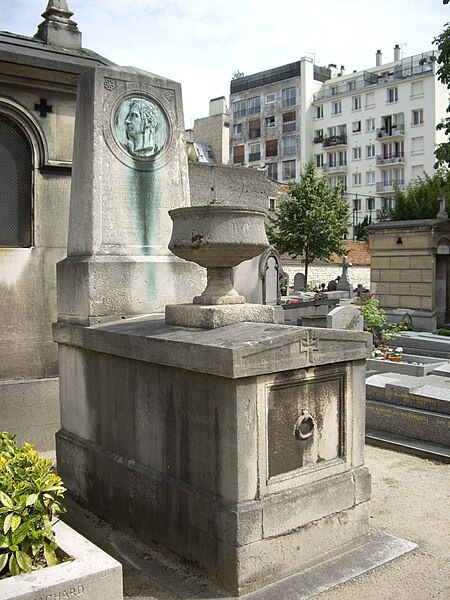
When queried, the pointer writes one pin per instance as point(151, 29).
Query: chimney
point(379, 58)
point(396, 52)
point(342, 72)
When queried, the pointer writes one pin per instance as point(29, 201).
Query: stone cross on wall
point(344, 283)
point(442, 214)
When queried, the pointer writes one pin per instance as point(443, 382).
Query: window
point(271, 148)
point(417, 171)
point(370, 177)
point(319, 160)
point(319, 112)
point(417, 88)
point(254, 152)
point(289, 97)
point(356, 103)
point(351, 86)
point(336, 108)
point(370, 99)
point(289, 145)
point(16, 162)
point(270, 121)
point(356, 153)
point(272, 203)
point(334, 90)
point(392, 94)
point(318, 136)
point(370, 203)
point(237, 128)
point(370, 151)
point(417, 117)
point(288, 169)
point(239, 109)
point(337, 159)
point(387, 204)
point(289, 121)
point(417, 145)
point(270, 98)
point(254, 129)
point(272, 171)
point(254, 105)
point(357, 179)
point(238, 155)
point(356, 126)
point(370, 124)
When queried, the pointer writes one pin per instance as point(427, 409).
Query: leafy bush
point(374, 317)
point(29, 500)
point(443, 331)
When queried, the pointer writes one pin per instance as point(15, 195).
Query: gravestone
point(128, 171)
point(345, 317)
point(239, 448)
point(299, 282)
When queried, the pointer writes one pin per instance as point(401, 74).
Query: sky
point(200, 43)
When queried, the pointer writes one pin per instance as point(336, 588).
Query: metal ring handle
point(304, 427)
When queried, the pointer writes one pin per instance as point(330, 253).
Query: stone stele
point(129, 169)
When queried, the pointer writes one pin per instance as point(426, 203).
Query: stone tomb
point(239, 448)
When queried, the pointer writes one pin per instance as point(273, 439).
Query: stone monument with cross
point(237, 445)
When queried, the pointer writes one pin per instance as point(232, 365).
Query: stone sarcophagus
point(239, 448)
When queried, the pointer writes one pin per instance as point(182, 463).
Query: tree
point(237, 75)
point(360, 229)
point(442, 42)
point(312, 221)
point(421, 199)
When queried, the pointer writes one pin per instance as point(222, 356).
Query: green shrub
point(29, 500)
point(374, 317)
point(443, 331)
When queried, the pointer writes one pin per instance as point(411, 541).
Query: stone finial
point(58, 29)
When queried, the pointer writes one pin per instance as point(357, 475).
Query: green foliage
point(360, 229)
point(237, 75)
point(443, 331)
point(421, 200)
point(442, 42)
point(312, 221)
point(374, 317)
point(29, 500)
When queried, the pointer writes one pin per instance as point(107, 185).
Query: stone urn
point(218, 237)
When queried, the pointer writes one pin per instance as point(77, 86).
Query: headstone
point(345, 317)
point(128, 171)
point(299, 282)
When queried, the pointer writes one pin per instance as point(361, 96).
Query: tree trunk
point(306, 269)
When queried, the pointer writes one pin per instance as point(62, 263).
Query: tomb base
point(238, 448)
point(211, 316)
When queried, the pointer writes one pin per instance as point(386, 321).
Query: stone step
point(401, 443)
point(409, 422)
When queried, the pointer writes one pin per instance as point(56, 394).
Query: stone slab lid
point(240, 350)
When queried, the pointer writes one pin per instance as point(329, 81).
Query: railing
point(340, 167)
point(390, 158)
point(335, 140)
point(392, 131)
point(390, 186)
point(289, 126)
point(318, 139)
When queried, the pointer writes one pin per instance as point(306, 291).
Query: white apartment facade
point(371, 130)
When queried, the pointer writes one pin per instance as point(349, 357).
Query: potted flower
point(41, 557)
point(378, 354)
point(395, 355)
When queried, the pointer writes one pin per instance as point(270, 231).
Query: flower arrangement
point(395, 352)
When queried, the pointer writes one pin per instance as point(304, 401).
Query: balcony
point(394, 131)
point(388, 187)
point(335, 140)
point(338, 168)
point(389, 159)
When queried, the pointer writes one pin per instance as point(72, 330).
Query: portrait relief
point(140, 127)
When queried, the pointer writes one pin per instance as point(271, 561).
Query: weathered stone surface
point(166, 432)
point(92, 574)
point(345, 317)
point(210, 317)
point(118, 262)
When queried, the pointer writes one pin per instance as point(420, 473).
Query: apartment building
point(271, 118)
point(371, 130)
